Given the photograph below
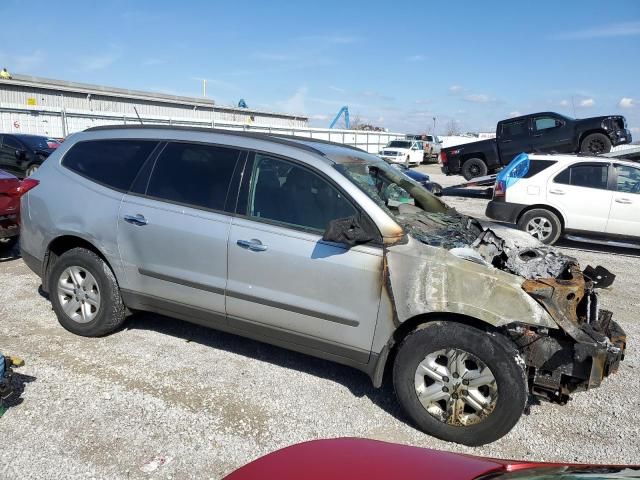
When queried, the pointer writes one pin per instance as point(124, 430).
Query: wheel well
point(542, 207)
point(474, 155)
point(589, 132)
point(59, 246)
point(416, 322)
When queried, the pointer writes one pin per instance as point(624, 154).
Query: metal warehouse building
point(58, 108)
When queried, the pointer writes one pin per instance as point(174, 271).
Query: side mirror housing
point(350, 231)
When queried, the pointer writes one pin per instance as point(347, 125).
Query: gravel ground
point(204, 402)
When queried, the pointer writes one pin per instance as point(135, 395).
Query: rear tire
point(541, 224)
point(85, 295)
point(474, 167)
point(595, 144)
point(429, 379)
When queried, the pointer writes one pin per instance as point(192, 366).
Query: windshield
point(34, 142)
point(399, 144)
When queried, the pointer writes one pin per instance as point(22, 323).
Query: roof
point(337, 152)
point(583, 158)
point(87, 88)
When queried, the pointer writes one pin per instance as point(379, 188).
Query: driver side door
point(284, 280)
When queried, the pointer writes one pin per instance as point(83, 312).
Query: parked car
point(320, 248)
point(432, 145)
point(409, 152)
point(53, 143)
point(364, 459)
point(22, 154)
point(584, 198)
point(422, 178)
point(537, 132)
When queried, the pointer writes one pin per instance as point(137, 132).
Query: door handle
point(254, 245)
point(623, 200)
point(138, 219)
point(557, 192)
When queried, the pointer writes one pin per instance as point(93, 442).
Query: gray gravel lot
point(207, 402)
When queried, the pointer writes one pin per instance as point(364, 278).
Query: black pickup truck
point(538, 132)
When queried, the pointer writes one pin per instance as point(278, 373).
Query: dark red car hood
point(354, 459)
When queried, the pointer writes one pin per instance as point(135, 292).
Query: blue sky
point(395, 64)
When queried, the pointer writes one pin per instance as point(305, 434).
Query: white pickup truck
point(410, 152)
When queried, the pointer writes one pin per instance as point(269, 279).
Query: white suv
point(409, 152)
point(583, 198)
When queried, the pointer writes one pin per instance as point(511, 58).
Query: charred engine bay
point(452, 230)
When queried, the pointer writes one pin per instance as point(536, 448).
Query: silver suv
point(323, 249)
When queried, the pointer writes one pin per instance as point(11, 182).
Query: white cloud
point(479, 98)
point(626, 102)
point(99, 62)
point(587, 103)
point(624, 29)
point(514, 114)
point(564, 103)
point(337, 89)
point(455, 89)
point(24, 63)
point(416, 58)
point(319, 116)
point(295, 103)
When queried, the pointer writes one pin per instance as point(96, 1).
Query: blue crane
point(344, 110)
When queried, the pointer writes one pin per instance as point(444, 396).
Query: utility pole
point(204, 87)
point(434, 125)
point(573, 104)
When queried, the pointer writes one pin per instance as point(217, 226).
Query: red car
point(356, 459)
point(11, 189)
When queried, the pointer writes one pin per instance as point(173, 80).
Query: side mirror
point(350, 231)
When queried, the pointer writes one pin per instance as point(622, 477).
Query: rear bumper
point(504, 211)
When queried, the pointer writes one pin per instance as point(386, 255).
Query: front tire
point(459, 383)
point(474, 167)
point(595, 144)
point(541, 224)
point(85, 294)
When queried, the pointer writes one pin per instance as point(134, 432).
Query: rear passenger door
point(284, 280)
point(173, 228)
point(624, 217)
point(580, 192)
point(513, 139)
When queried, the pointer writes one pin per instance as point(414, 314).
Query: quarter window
point(287, 193)
point(193, 174)
point(11, 143)
point(590, 176)
point(113, 163)
point(628, 179)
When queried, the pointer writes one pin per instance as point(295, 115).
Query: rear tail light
point(443, 157)
point(500, 190)
point(26, 185)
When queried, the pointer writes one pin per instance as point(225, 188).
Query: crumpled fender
point(423, 279)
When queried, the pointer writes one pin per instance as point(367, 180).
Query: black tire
point(474, 167)
point(497, 352)
point(595, 144)
point(111, 311)
point(537, 221)
point(8, 243)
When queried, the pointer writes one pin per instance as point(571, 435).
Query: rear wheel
point(474, 167)
point(459, 383)
point(541, 224)
point(85, 295)
point(595, 144)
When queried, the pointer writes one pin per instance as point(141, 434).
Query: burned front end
point(589, 345)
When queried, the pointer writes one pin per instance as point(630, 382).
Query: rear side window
point(193, 174)
point(113, 163)
point(536, 166)
point(590, 176)
point(517, 128)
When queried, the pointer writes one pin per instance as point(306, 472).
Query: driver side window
point(11, 143)
point(287, 193)
point(546, 123)
point(628, 179)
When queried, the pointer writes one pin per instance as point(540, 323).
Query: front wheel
point(595, 144)
point(459, 383)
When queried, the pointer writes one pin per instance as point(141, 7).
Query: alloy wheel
point(79, 294)
point(456, 387)
point(540, 228)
